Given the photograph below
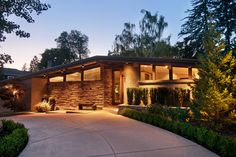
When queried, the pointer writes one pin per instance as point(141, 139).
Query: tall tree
point(196, 25)
point(75, 41)
point(214, 92)
point(56, 56)
point(146, 42)
point(34, 63)
point(24, 68)
point(225, 15)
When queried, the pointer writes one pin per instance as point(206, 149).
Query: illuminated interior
point(146, 72)
point(180, 73)
point(73, 77)
point(195, 73)
point(56, 79)
point(162, 73)
point(92, 74)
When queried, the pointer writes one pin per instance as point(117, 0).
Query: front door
point(117, 90)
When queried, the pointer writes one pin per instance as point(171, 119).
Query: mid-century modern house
point(103, 80)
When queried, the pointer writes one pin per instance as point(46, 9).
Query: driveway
point(101, 134)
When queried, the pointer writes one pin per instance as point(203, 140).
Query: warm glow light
point(15, 92)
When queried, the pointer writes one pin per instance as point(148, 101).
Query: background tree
point(208, 13)
point(225, 14)
point(196, 25)
point(148, 42)
point(34, 63)
point(56, 56)
point(75, 41)
point(24, 67)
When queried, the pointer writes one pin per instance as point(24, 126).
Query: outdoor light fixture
point(167, 67)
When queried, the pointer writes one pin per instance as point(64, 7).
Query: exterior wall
point(107, 77)
point(38, 89)
point(26, 100)
point(69, 95)
point(131, 78)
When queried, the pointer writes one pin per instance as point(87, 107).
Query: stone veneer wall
point(69, 94)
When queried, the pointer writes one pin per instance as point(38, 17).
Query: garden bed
point(134, 107)
point(13, 138)
point(222, 145)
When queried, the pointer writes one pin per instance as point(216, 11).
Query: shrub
point(15, 141)
point(222, 145)
point(42, 107)
point(177, 113)
point(130, 95)
point(52, 103)
point(145, 96)
point(137, 96)
point(154, 95)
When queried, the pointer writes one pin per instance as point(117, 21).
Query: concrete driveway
point(102, 134)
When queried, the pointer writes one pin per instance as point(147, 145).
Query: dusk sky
point(100, 20)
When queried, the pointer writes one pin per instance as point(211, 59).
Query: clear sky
point(100, 20)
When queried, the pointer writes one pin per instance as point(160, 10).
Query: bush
point(13, 143)
point(52, 103)
point(137, 96)
point(154, 95)
point(130, 95)
point(222, 145)
point(177, 113)
point(42, 107)
point(145, 96)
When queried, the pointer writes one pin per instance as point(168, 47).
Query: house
point(104, 79)
point(9, 73)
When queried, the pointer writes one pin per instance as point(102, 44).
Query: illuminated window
point(73, 77)
point(92, 74)
point(56, 79)
point(162, 73)
point(195, 73)
point(146, 72)
point(180, 73)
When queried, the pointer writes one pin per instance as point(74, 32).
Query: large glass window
point(180, 73)
point(195, 73)
point(92, 74)
point(116, 86)
point(146, 72)
point(56, 79)
point(162, 73)
point(73, 77)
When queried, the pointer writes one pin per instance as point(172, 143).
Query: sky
point(100, 20)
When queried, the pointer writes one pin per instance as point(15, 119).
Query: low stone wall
point(134, 107)
point(69, 94)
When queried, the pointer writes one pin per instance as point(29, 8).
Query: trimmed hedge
point(15, 141)
point(224, 146)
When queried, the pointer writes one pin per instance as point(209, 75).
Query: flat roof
point(114, 59)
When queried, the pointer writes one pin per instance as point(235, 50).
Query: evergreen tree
point(196, 26)
point(214, 92)
point(225, 15)
point(34, 64)
point(24, 68)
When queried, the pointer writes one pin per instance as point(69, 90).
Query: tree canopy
point(56, 56)
point(22, 9)
point(75, 41)
point(149, 42)
point(221, 15)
